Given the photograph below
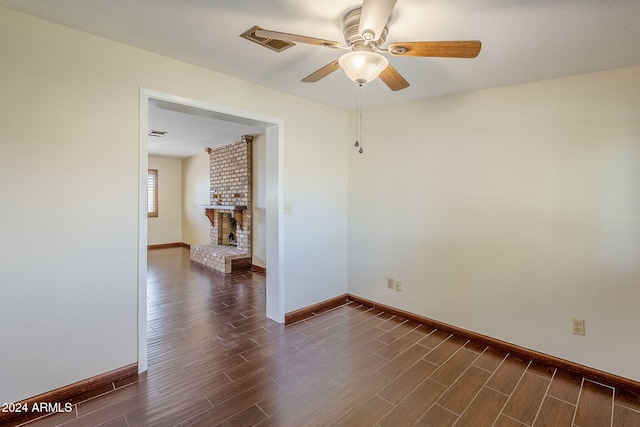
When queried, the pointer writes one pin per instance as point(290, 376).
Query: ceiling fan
point(365, 31)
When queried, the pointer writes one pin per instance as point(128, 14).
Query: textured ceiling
point(190, 130)
point(523, 40)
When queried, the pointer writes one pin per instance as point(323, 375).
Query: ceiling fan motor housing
point(351, 36)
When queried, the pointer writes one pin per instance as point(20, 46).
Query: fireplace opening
point(228, 230)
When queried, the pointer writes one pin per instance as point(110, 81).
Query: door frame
point(274, 130)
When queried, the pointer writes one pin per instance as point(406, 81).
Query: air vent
point(273, 44)
point(157, 133)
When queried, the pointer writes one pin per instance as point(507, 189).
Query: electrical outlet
point(397, 285)
point(288, 208)
point(577, 326)
point(390, 283)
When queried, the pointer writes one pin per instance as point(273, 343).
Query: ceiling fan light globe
point(363, 66)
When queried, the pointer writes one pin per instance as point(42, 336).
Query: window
point(152, 192)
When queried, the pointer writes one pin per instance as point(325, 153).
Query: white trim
point(275, 219)
point(275, 222)
point(143, 161)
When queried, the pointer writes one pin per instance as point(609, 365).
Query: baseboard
point(70, 392)
point(581, 370)
point(258, 269)
point(303, 313)
point(165, 246)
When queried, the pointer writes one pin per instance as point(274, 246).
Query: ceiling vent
point(157, 133)
point(273, 44)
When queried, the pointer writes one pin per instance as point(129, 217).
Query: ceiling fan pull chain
point(359, 118)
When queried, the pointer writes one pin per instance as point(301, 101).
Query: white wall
point(507, 212)
point(196, 227)
point(70, 196)
point(259, 201)
point(167, 226)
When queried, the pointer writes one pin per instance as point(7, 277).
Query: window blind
point(152, 192)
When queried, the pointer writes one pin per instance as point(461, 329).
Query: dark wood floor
point(214, 359)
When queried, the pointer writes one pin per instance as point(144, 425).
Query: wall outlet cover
point(577, 326)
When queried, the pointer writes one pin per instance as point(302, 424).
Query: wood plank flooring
point(216, 360)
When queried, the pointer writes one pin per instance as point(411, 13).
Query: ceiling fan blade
point(443, 49)
point(374, 16)
point(322, 72)
point(392, 78)
point(268, 34)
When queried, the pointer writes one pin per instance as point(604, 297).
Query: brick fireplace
point(229, 210)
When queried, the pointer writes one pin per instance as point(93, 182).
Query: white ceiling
point(190, 130)
point(523, 40)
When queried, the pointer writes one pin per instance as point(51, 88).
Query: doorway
point(274, 187)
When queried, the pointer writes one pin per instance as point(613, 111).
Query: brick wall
point(230, 174)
